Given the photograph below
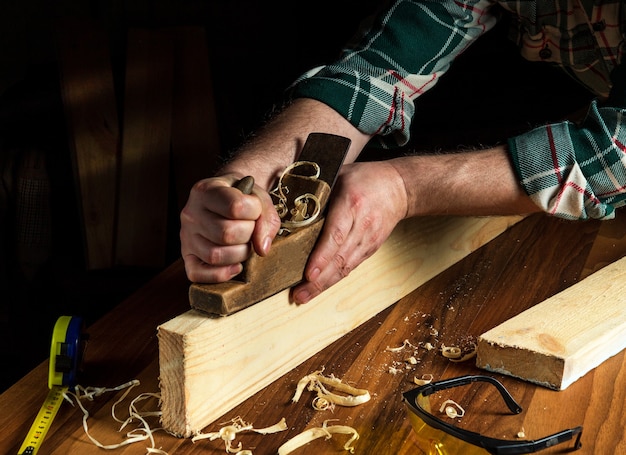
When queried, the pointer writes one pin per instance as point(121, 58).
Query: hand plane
point(300, 197)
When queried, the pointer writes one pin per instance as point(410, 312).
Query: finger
point(215, 255)
point(325, 259)
point(343, 245)
point(340, 265)
point(266, 226)
point(219, 213)
point(200, 272)
point(217, 195)
point(232, 204)
point(335, 236)
point(225, 232)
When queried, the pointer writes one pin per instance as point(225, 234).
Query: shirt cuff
point(550, 173)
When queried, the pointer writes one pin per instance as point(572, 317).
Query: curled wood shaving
point(452, 409)
point(322, 404)
point(455, 354)
point(324, 431)
point(317, 382)
point(425, 379)
point(141, 433)
point(405, 344)
point(228, 434)
point(450, 352)
point(299, 214)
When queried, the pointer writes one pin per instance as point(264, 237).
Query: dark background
point(262, 45)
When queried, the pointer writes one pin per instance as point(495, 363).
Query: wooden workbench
point(533, 260)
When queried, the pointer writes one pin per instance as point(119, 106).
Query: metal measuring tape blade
point(66, 354)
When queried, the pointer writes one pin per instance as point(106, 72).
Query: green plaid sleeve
point(578, 171)
point(375, 83)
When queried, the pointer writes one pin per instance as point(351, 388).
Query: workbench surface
point(533, 260)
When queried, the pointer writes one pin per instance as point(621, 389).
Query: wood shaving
point(144, 432)
point(141, 433)
point(405, 344)
point(299, 213)
point(322, 404)
point(228, 433)
point(317, 382)
point(425, 379)
point(455, 354)
point(324, 431)
point(452, 409)
point(450, 352)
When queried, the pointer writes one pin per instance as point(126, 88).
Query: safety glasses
point(437, 437)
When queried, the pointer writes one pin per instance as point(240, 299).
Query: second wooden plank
point(564, 337)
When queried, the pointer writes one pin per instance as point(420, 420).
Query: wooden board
point(141, 238)
point(93, 132)
point(562, 338)
point(208, 365)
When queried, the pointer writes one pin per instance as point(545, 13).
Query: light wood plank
point(208, 364)
point(144, 176)
point(93, 132)
point(562, 338)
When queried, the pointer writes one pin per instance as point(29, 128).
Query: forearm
point(408, 48)
point(471, 183)
point(279, 142)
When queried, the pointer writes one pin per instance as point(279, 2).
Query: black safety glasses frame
point(491, 445)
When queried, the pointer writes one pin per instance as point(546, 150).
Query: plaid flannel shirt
point(575, 171)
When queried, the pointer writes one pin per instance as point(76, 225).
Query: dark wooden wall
point(255, 50)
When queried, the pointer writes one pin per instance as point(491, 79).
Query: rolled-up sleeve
point(578, 171)
point(374, 84)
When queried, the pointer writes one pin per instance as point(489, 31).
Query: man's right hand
point(220, 225)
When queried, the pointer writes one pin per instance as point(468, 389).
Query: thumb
point(267, 225)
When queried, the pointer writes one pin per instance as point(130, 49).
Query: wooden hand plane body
point(300, 197)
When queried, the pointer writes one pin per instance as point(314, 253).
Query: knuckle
point(228, 235)
point(341, 265)
point(214, 256)
point(367, 223)
point(318, 288)
point(201, 186)
point(236, 207)
point(338, 236)
point(186, 216)
point(345, 271)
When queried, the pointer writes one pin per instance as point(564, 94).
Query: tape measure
point(66, 353)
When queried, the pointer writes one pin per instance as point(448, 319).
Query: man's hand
point(367, 202)
point(220, 225)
